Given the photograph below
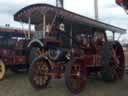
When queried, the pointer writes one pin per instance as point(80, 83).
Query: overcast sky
point(109, 12)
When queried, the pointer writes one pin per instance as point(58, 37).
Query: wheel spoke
point(40, 52)
point(74, 79)
point(36, 79)
point(119, 61)
point(40, 73)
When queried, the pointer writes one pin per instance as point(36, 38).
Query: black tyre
point(120, 56)
point(39, 73)
point(110, 62)
point(32, 55)
point(75, 76)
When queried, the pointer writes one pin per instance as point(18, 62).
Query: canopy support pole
point(29, 27)
point(113, 35)
point(44, 25)
point(71, 36)
point(25, 33)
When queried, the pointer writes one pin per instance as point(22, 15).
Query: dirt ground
point(18, 85)
point(126, 55)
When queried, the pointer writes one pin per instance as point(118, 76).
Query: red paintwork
point(90, 60)
point(87, 56)
point(9, 57)
point(14, 31)
point(12, 54)
point(122, 3)
point(54, 41)
point(13, 60)
point(119, 1)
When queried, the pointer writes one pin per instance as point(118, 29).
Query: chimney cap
point(59, 3)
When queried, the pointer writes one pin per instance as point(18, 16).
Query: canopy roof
point(28, 11)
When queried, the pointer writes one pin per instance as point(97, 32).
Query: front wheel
point(39, 73)
point(75, 76)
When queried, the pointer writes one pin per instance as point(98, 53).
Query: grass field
point(18, 85)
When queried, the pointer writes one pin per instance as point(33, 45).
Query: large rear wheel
point(75, 76)
point(112, 61)
point(120, 57)
point(39, 73)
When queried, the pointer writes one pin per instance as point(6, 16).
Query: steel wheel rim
point(120, 66)
point(40, 52)
point(76, 80)
point(75, 76)
point(112, 69)
point(111, 61)
point(40, 75)
point(116, 68)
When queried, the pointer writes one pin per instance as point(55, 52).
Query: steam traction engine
point(67, 44)
point(13, 50)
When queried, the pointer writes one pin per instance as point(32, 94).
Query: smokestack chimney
point(60, 3)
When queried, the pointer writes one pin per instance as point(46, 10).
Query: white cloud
point(82, 7)
point(109, 12)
